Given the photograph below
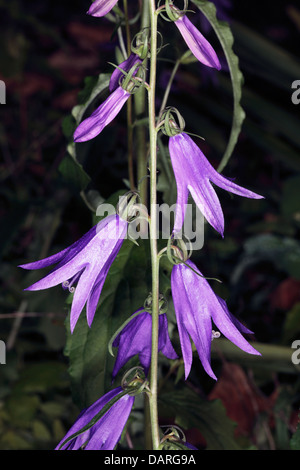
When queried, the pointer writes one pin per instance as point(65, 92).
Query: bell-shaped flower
point(101, 7)
point(105, 433)
point(193, 173)
point(85, 263)
point(135, 338)
point(196, 307)
point(102, 116)
point(196, 42)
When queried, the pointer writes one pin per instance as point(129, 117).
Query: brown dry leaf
point(242, 400)
point(73, 65)
point(89, 37)
point(286, 294)
point(30, 84)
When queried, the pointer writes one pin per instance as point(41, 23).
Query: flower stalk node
point(172, 123)
point(162, 304)
point(173, 12)
point(134, 381)
point(127, 207)
point(133, 79)
point(177, 250)
point(140, 44)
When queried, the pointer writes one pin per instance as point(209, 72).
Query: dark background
point(46, 51)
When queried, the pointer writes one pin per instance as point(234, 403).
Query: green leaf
point(226, 39)
point(126, 287)
point(73, 173)
point(295, 440)
point(291, 326)
point(93, 88)
point(70, 167)
point(209, 417)
point(283, 252)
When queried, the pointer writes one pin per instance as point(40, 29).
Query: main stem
point(153, 229)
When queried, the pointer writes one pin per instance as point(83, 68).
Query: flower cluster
point(82, 268)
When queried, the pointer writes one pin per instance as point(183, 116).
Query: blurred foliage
point(49, 188)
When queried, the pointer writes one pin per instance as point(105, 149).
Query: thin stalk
point(142, 181)
point(129, 106)
point(140, 131)
point(153, 228)
point(168, 88)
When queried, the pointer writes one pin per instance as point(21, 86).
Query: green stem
point(153, 228)
point(168, 88)
point(129, 106)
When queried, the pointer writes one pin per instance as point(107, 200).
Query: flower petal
point(107, 431)
point(101, 7)
point(164, 342)
point(102, 116)
point(199, 323)
point(197, 43)
point(84, 418)
point(189, 324)
point(208, 203)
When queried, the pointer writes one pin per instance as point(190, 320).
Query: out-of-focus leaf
point(291, 327)
point(291, 197)
point(264, 58)
point(295, 440)
point(283, 252)
point(191, 411)
point(22, 409)
point(273, 357)
point(282, 411)
point(41, 377)
point(226, 39)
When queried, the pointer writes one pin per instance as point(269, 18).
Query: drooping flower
point(193, 173)
point(117, 74)
point(135, 338)
point(106, 432)
point(102, 116)
point(101, 7)
point(196, 42)
point(86, 262)
point(196, 306)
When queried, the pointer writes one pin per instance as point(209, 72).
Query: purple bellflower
point(117, 74)
point(101, 7)
point(135, 338)
point(106, 432)
point(102, 116)
point(193, 173)
point(196, 42)
point(86, 262)
point(196, 306)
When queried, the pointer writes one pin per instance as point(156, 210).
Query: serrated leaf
point(226, 39)
point(209, 417)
